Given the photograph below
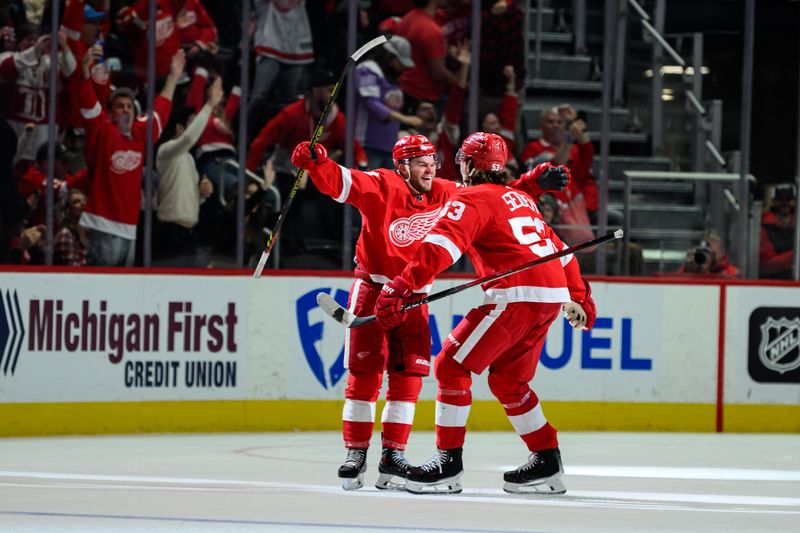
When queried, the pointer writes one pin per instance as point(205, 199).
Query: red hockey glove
point(388, 306)
point(301, 157)
point(549, 177)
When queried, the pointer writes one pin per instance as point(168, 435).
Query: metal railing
point(750, 240)
point(708, 122)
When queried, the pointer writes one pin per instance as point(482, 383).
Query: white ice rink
point(620, 482)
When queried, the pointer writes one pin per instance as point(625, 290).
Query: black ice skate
point(440, 475)
point(352, 470)
point(392, 468)
point(542, 474)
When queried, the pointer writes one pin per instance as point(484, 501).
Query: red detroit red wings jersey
point(394, 221)
point(115, 163)
point(504, 229)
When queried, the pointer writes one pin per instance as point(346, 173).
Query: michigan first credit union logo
point(774, 345)
point(12, 332)
point(328, 375)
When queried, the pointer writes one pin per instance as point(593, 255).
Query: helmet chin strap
point(407, 178)
point(467, 180)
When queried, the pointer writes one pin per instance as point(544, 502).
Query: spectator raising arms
point(215, 147)
point(29, 69)
point(179, 23)
point(133, 21)
point(180, 190)
point(572, 147)
point(84, 26)
point(196, 30)
point(564, 141)
point(115, 145)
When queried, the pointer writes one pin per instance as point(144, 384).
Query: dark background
point(773, 156)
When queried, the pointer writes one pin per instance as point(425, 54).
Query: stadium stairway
point(665, 221)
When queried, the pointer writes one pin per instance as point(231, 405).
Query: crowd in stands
point(415, 84)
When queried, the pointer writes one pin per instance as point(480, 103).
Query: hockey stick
point(348, 319)
point(352, 60)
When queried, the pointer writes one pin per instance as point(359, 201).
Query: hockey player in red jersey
point(397, 208)
point(502, 228)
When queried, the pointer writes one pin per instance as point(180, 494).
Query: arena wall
point(180, 351)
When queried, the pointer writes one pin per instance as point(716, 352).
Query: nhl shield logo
point(779, 349)
point(774, 345)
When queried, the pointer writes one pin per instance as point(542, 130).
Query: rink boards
point(182, 351)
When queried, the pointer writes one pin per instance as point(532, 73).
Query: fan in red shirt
point(297, 121)
point(500, 228)
point(179, 23)
point(570, 147)
point(397, 208)
point(429, 77)
point(115, 146)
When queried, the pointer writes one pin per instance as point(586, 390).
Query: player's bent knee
point(448, 371)
point(506, 390)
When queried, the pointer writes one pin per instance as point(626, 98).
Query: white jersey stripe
point(347, 182)
point(530, 421)
point(105, 225)
point(484, 325)
point(158, 123)
point(527, 294)
point(358, 411)
point(444, 242)
point(93, 112)
point(451, 416)
point(398, 412)
point(567, 258)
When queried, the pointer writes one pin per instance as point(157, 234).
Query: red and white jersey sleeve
point(394, 220)
point(194, 25)
point(504, 228)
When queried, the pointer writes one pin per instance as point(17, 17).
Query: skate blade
point(549, 485)
point(390, 482)
point(451, 485)
point(353, 483)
